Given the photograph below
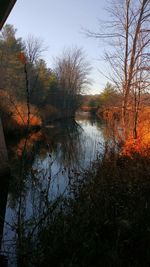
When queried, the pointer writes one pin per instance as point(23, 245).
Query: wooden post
point(3, 150)
point(4, 184)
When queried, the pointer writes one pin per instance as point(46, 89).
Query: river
point(53, 160)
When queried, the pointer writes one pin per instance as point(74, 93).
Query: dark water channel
point(53, 159)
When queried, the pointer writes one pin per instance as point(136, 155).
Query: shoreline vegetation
point(103, 221)
point(105, 218)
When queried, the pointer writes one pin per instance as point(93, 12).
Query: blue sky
point(59, 24)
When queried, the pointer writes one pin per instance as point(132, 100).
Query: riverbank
point(104, 223)
point(82, 202)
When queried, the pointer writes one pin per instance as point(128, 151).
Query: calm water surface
point(54, 159)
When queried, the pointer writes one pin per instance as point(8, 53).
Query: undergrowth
point(106, 223)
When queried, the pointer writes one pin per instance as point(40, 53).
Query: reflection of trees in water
point(61, 144)
point(43, 217)
point(31, 198)
point(112, 134)
point(32, 213)
point(51, 168)
point(22, 154)
point(70, 145)
point(60, 159)
point(107, 204)
point(94, 120)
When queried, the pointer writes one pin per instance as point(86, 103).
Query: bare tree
point(128, 34)
point(72, 72)
point(34, 48)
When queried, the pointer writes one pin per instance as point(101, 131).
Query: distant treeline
point(109, 99)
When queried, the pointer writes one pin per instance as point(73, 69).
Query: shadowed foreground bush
point(107, 223)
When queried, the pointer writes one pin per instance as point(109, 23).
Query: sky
point(60, 24)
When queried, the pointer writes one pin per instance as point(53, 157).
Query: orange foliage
point(20, 115)
point(32, 138)
point(22, 58)
point(18, 111)
point(141, 145)
point(109, 114)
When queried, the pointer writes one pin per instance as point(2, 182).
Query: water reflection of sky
point(92, 140)
point(74, 150)
point(75, 154)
